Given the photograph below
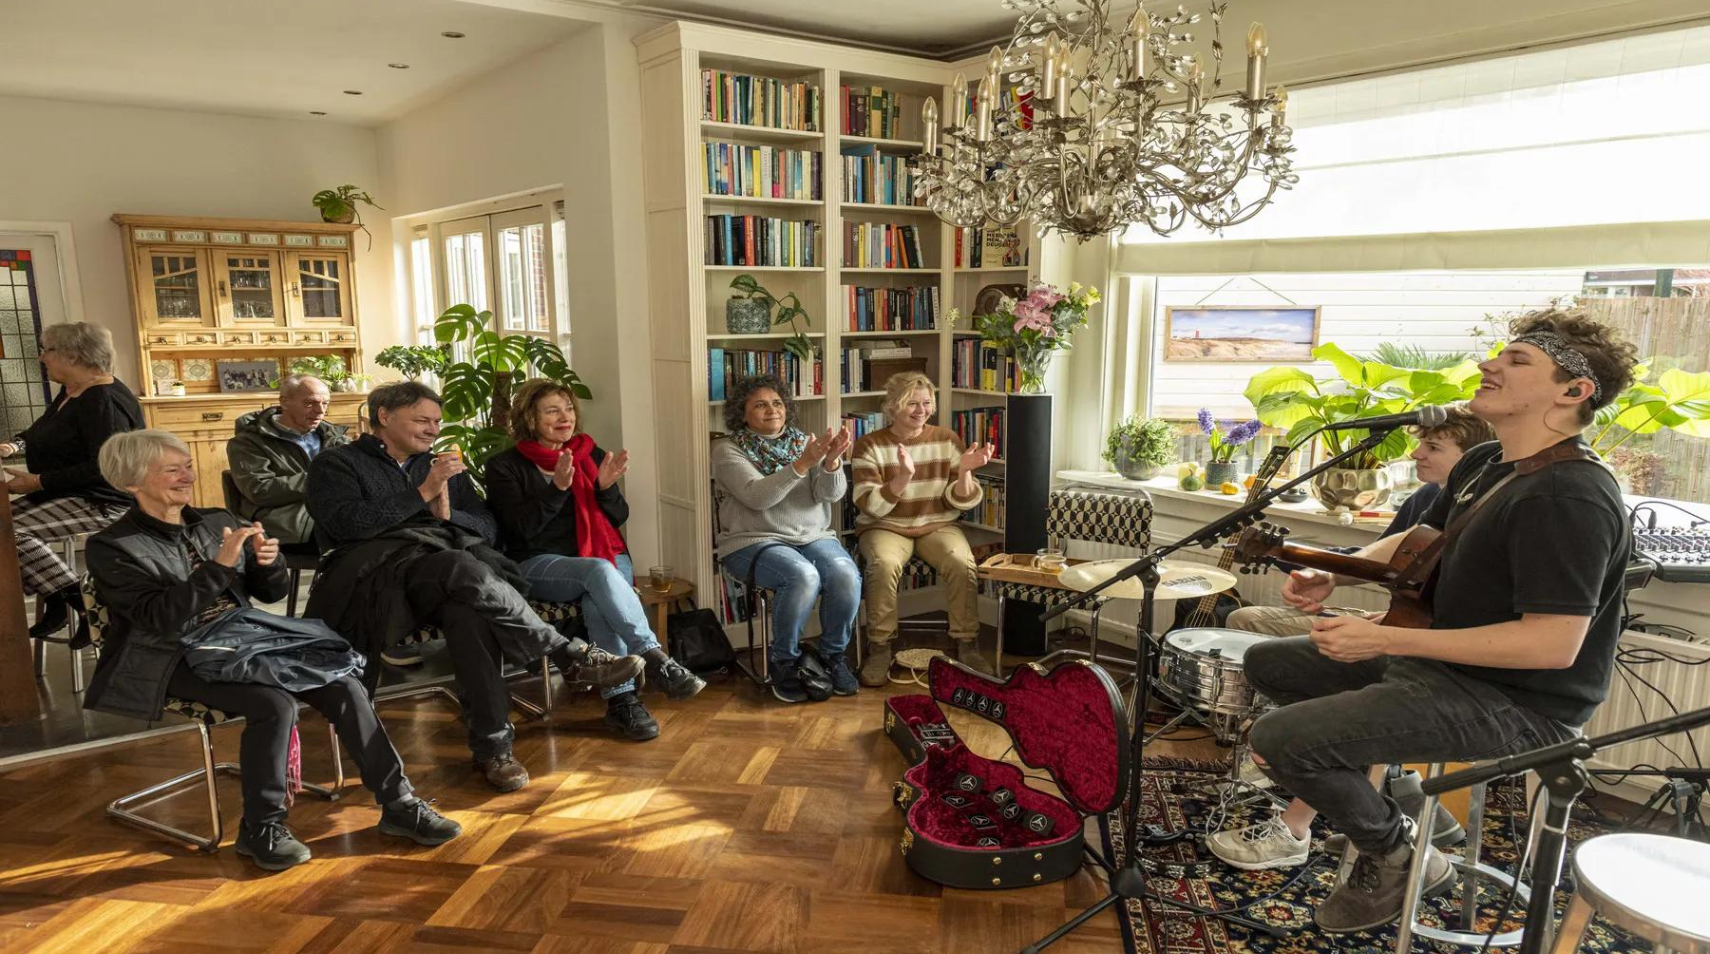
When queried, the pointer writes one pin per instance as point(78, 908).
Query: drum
point(1202, 669)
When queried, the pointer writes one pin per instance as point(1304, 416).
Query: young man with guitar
point(1525, 607)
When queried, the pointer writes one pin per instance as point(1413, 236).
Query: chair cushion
point(1041, 595)
point(198, 711)
point(1114, 519)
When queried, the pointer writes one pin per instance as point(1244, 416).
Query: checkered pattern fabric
point(1115, 519)
point(100, 618)
point(39, 526)
point(549, 614)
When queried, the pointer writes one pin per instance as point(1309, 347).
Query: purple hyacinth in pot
point(1220, 469)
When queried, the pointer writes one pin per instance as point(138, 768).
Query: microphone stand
point(1565, 779)
point(1128, 875)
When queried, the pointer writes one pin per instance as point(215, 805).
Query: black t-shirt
point(61, 446)
point(1556, 541)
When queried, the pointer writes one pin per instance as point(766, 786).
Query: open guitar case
point(973, 822)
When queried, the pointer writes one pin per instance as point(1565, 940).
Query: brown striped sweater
point(928, 502)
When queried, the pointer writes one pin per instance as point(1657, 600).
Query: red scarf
point(595, 535)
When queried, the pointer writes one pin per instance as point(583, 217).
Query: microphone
point(1428, 416)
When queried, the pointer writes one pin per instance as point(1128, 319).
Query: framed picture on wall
point(1272, 335)
point(240, 376)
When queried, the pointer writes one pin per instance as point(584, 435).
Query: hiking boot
point(842, 678)
point(271, 846)
point(410, 817)
point(626, 714)
point(1375, 888)
point(968, 654)
point(1446, 831)
point(1269, 844)
point(579, 659)
point(503, 772)
point(876, 671)
point(675, 678)
point(402, 654)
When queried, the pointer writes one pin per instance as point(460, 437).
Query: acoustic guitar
point(1404, 575)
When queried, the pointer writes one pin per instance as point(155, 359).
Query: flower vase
point(1220, 472)
point(1033, 364)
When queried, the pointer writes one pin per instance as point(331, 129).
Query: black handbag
point(698, 641)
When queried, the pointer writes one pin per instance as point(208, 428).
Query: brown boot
point(876, 670)
point(503, 772)
point(968, 654)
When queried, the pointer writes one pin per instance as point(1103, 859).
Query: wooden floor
point(749, 825)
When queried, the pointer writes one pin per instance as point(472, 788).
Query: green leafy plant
point(1145, 440)
point(1291, 398)
point(1415, 357)
point(1678, 401)
point(477, 392)
point(328, 367)
point(785, 311)
point(340, 205)
point(413, 361)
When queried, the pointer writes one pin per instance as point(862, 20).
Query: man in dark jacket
point(171, 574)
point(412, 545)
point(270, 455)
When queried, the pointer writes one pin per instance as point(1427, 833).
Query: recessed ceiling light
point(353, 92)
point(399, 66)
point(452, 35)
point(317, 112)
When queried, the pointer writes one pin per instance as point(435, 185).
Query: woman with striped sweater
point(912, 482)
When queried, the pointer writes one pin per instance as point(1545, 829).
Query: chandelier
point(1100, 127)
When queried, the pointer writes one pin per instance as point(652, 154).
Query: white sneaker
point(1268, 844)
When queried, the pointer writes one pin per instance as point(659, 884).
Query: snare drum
point(1202, 669)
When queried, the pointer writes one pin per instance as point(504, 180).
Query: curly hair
point(525, 413)
point(899, 386)
point(1466, 429)
point(736, 402)
point(1610, 356)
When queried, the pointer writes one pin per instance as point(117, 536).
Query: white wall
point(81, 162)
point(565, 116)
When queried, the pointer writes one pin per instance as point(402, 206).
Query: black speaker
point(1027, 486)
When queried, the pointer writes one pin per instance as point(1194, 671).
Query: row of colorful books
point(760, 172)
point(860, 425)
point(761, 241)
point(989, 511)
point(980, 425)
point(872, 177)
point(881, 245)
point(983, 366)
point(912, 308)
point(855, 366)
point(725, 367)
point(993, 247)
point(759, 101)
point(870, 111)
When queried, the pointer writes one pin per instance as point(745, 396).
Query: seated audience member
point(778, 484)
point(557, 501)
point(270, 455)
point(913, 480)
point(64, 493)
point(176, 578)
point(1440, 448)
point(1526, 606)
point(413, 546)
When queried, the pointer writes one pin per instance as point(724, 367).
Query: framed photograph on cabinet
point(241, 376)
point(1275, 335)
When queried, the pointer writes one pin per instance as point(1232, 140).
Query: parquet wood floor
point(748, 826)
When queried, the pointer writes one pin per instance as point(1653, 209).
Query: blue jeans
point(798, 575)
point(616, 621)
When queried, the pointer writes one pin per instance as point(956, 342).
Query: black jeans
point(1337, 719)
point(269, 714)
point(486, 622)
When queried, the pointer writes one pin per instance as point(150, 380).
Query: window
point(422, 284)
point(511, 262)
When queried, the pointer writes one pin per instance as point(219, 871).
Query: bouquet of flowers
point(1032, 327)
point(1223, 443)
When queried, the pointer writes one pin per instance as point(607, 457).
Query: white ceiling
point(262, 57)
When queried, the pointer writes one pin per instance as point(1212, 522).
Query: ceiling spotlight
point(317, 112)
point(452, 35)
point(399, 66)
point(353, 92)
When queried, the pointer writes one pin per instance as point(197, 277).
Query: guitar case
point(973, 822)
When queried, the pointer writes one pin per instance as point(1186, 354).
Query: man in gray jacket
point(270, 455)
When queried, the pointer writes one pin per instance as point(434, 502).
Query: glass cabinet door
point(175, 290)
point(247, 288)
point(320, 287)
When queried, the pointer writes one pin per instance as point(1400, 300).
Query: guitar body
point(1405, 575)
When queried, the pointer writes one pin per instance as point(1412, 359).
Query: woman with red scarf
point(558, 506)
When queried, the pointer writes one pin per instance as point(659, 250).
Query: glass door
point(247, 289)
point(465, 245)
point(177, 287)
point(320, 287)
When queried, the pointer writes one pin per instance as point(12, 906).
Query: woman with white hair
point(64, 494)
point(177, 583)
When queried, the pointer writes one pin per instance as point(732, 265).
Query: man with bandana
point(1526, 604)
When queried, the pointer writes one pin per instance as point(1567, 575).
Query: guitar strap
point(1421, 569)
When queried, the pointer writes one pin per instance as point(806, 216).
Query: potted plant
point(1678, 401)
point(412, 361)
point(1029, 329)
point(477, 392)
point(1291, 398)
point(328, 367)
point(1220, 469)
point(339, 205)
point(752, 313)
point(1139, 447)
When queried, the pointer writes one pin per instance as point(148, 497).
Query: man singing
point(1527, 610)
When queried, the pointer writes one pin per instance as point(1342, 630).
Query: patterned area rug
point(1177, 796)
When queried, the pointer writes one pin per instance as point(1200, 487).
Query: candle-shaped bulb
point(1138, 29)
point(959, 101)
point(1281, 107)
point(1048, 68)
point(929, 117)
point(1257, 43)
point(983, 117)
point(1257, 47)
point(994, 62)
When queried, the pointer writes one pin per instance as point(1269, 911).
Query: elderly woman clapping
point(177, 582)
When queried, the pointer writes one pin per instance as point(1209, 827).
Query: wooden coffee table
point(660, 604)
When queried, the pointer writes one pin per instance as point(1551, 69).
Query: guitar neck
point(1330, 561)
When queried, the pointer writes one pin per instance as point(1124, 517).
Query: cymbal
point(1177, 580)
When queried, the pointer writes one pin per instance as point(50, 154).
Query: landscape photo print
point(1240, 334)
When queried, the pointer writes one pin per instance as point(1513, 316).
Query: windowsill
point(1165, 488)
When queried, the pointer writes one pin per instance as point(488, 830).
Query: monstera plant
point(477, 390)
point(1678, 401)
